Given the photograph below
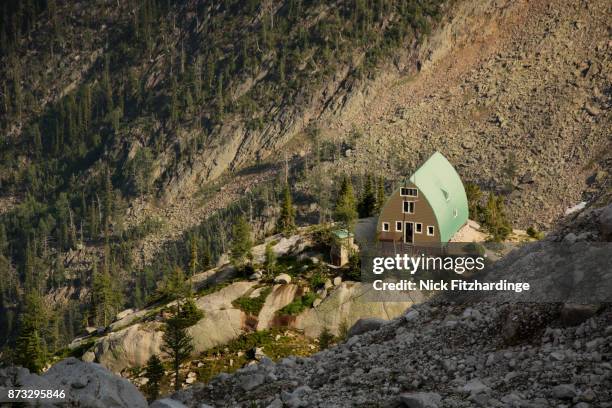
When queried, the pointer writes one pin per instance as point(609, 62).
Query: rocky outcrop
point(280, 297)
point(343, 307)
point(84, 384)
point(129, 347)
point(132, 346)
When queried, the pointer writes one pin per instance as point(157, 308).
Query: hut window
point(398, 225)
point(430, 230)
point(418, 228)
point(408, 207)
point(408, 192)
point(385, 226)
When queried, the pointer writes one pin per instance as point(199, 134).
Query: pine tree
point(205, 258)
point(495, 218)
point(380, 195)
point(242, 241)
point(286, 221)
point(154, 372)
point(105, 298)
point(219, 96)
point(30, 348)
point(474, 195)
point(270, 260)
point(174, 108)
point(108, 204)
point(178, 345)
point(193, 261)
point(345, 211)
point(176, 286)
point(107, 88)
point(93, 220)
point(367, 204)
point(36, 140)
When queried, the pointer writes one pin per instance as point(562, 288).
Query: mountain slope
point(490, 352)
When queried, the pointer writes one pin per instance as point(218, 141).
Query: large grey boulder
point(365, 325)
point(167, 403)
point(282, 278)
point(85, 385)
point(92, 385)
point(605, 223)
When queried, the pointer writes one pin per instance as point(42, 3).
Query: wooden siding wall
point(393, 211)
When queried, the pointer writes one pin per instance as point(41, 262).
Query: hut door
point(408, 232)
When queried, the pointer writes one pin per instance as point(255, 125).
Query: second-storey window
point(408, 207)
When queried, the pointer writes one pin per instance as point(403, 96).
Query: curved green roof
point(438, 181)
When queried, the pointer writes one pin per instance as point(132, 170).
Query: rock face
point(132, 346)
point(280, 297)
point(222, 322)
point(343, 307)
point(85, 385)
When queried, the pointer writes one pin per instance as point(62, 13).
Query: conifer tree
point(193, 261)
point(178, 345)
point(495, 218)
point(107, 88)
point(242, 241)
point(205, 257)
point(174, 108)
point(474, 195)
point(219, 96)
point(367, 204)
point(269, 260)
point(93, 220)
point(345, 211)
point(30, 348)
point(108, 203)
point(105, 296)
point(154, 372)
point(286, 221)
point(380, 195)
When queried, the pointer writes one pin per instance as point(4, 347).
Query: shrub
point(325, 339)
point(317, 280)
point(252, 306)
point(354, 268)
point(190, 314)
point(298, 305)
point(534, 233)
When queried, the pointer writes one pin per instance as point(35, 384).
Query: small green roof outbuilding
point(431, 205)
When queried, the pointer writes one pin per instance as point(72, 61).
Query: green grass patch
point(276, 344)
point(298, 305)
point(252, 306)
point(293, 266)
